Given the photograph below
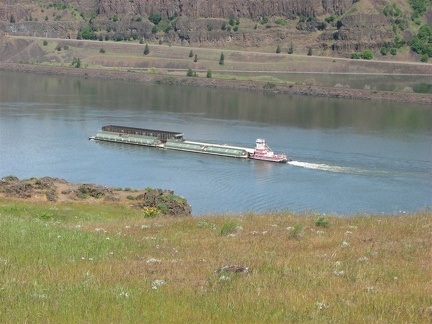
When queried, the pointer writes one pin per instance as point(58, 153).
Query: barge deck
point(170, 141)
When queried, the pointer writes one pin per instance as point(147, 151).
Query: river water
point(349, 157)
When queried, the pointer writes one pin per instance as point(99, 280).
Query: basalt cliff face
point(252, 9)
point(329, 27)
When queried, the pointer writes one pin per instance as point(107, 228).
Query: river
point(349, 157)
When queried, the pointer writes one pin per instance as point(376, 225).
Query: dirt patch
point(58, 190)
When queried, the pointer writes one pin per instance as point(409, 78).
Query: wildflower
point(338, 263)
point(124, 295)
point(370, 289)
point(145, 226)
point(363, 259)
point(345, 244)
point(153, 260)
point(321, 306)
point(157, 283)
point(348, 233)
point(224, 278)
point(338, 273)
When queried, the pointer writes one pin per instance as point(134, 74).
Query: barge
point(175, 141)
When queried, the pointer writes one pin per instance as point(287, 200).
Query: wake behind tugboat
point(327, 167)
point(175, 141)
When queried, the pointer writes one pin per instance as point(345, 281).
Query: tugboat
point(264, 153)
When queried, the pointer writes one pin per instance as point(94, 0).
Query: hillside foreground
point(80, 261)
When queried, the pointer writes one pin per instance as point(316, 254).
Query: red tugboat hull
point(264, 153)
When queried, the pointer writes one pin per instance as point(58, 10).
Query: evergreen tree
point(209, 74)
point(291, 49)
point(278, 49)
point(190, 53)
point(222, 59)
point(146, 49)
point(309, 51)
point(196, 58)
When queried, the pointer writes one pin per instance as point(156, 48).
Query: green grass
point(105, 263)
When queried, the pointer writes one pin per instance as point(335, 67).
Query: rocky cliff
point(252, 9)
point(328, 27)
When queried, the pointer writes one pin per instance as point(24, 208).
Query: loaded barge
point(175, 141)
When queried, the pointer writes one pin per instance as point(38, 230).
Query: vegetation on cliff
point(330, 28)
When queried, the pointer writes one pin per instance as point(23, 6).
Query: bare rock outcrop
point(165, 202)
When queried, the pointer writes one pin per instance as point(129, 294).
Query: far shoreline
point(242, 85)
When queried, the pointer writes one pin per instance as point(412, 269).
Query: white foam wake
point(323, 167)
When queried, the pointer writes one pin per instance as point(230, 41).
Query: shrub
point(281, 22)
point(291, 49)
point(209, 74)
point(309, 51)
point(264, 21)
point(76, 62)
point(269, 85)
point(191, 54)
point(322, 222)
point(296, 232)
point(235, 28)
point(45, 43)
point(367, 55)
point(355, 56)
point(393, 51)
point(163, 208)
point(278, 49)
point(189, 73)
point(155, 17)
point(330, 19)
point(424, 58)
point(229, 227)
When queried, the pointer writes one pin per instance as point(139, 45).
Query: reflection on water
point(417, 83)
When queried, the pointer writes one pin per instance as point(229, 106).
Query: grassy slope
point(84, 263)
point(173, 60)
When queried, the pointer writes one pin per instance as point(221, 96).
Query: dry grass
point(129, 55)
point(84, 263)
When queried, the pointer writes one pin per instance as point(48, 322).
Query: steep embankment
point(331, 27)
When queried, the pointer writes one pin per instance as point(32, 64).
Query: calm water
point(349, 157)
